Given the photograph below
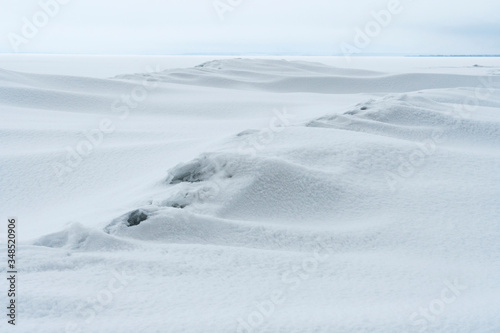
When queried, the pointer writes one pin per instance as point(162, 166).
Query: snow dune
point(257, 196)
point(286, 77)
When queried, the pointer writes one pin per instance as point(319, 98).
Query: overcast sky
point(305, 27)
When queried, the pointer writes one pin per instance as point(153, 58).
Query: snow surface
point(255, 195)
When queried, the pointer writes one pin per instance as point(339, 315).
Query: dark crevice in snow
point(200, 169)
point(136, 217)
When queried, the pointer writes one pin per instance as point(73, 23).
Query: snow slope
point(255, 196)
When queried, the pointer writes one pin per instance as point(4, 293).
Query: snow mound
point(364, 198)
point(300, 76)
point(320, 176)
point(78, 237)
point(281, 67)
point(416, 117)
point(192, 186)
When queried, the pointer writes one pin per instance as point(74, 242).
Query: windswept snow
point(285, 77)
point(255, 196)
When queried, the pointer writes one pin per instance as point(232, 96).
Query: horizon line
point(254, 54)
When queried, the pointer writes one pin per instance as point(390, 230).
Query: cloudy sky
point(305, 27)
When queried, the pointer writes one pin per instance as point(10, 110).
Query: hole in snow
point(136, 217)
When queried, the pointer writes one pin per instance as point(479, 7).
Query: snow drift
point(370, 204)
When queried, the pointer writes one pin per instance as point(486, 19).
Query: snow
point(256, 195)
